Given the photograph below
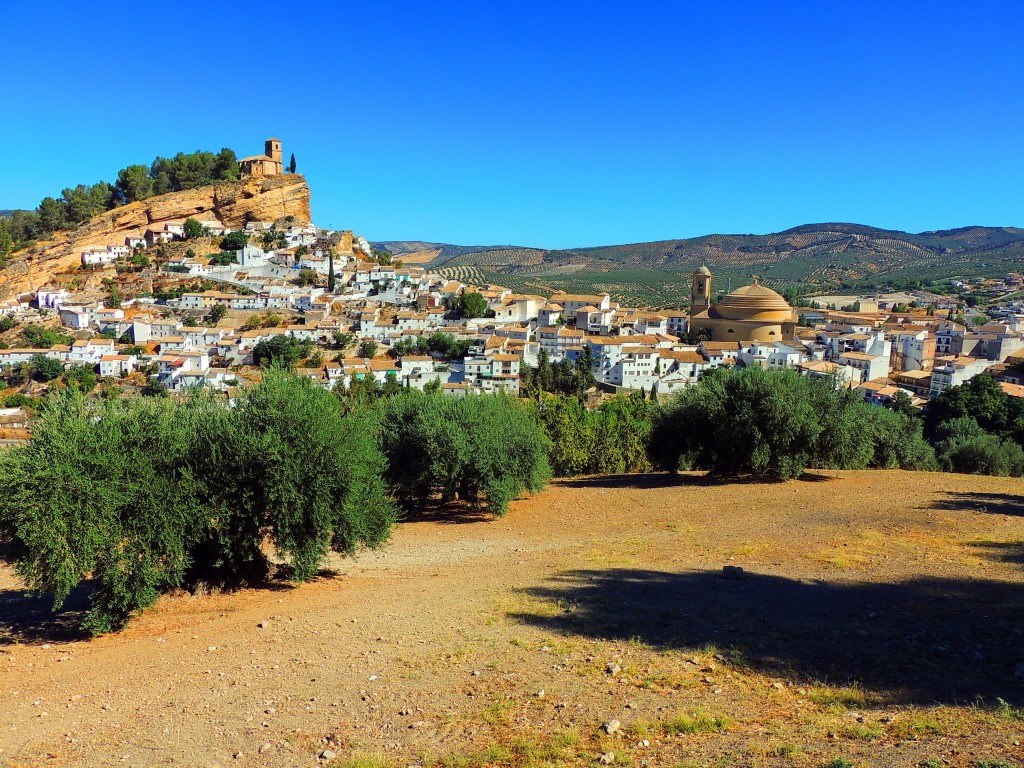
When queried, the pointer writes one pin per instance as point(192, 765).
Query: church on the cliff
point(750, 313)
point(271, 163)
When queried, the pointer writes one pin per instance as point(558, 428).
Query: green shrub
point(281, 350)
point(757, 422)
point(898, 441)
point(963, 446)
point(612, 439)
point(234, 241)
point(775, 424)
point(287, 463)
point(46, 368)
point(103, 489)
point(144, 495)
point(485, 450)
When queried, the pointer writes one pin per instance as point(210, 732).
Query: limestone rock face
point(232, 203)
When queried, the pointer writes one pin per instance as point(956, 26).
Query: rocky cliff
point(233, 204)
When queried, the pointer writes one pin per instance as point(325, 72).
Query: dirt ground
point(877, 620)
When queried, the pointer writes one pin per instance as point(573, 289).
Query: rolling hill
point(816, 257)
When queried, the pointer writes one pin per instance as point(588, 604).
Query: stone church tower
point(700, 289)
point(272, 148)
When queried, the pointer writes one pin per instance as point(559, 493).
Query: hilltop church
point(750, 313)
point(269, 164)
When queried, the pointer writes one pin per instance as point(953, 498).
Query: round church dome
point(755, 302)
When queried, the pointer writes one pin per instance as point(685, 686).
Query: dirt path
point(440, 644)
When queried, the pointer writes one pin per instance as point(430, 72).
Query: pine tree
point(6, 241)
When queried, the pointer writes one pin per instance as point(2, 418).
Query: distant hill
point(808, 257)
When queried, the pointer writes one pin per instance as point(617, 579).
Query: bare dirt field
point(877, 620)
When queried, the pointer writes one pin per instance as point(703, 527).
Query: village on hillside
point(151, 314)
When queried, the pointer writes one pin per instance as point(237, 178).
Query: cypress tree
point(291, 165)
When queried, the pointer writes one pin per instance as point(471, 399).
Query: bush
point(234, 241)
point(46, 368)
point(898, 442)
point(103, 490)
point(963, 446)
point(774, 424)
point(982, 399)
point(610, 440)
point(281, 350)
point(38, 337)
point(144, 495)
point(194, 229)
point(287, 463)
point(757, 422)
point(485, 449)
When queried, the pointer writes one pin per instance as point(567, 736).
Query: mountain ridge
point(817, 255)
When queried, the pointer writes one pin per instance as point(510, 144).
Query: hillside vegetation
point(812, 256)
point(77, 205)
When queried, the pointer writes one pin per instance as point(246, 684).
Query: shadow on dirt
point(26, 618)
point(920, 641)
point(992, 503)
point(667, 480)
point(1003, 551)
point(452, 513)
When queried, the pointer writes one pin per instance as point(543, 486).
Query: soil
point(877, 619)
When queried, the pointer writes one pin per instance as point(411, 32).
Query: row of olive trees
point(146, 495)
point(776, 424)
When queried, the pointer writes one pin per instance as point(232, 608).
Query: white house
point(572, 302)
point(51, 298)
point(89, 351)
point(595, 319)
point(870, 366)
point(97, 256)
point(493, 373)
point(954, 371)
point(637, 367)
point(74, 317)
point(117, 366)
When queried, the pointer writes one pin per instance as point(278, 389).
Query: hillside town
point(378, 321)
point(193, 303)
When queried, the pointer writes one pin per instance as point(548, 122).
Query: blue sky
point(553, 124)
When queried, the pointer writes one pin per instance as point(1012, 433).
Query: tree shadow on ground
point(1003, 551)
point(993, 503)
point(668, 480)
point(920, 641)
point(28, 618)
point(450, 513)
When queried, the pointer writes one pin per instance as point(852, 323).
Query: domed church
point(750, 313)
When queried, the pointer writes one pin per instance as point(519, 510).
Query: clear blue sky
point(551, 123)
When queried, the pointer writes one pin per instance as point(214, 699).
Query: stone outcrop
point(232, 203)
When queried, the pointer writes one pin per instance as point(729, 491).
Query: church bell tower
point(273, 151)
point(700, 289)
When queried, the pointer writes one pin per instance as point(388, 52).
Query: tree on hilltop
point(133, 183)
point(291, 165)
